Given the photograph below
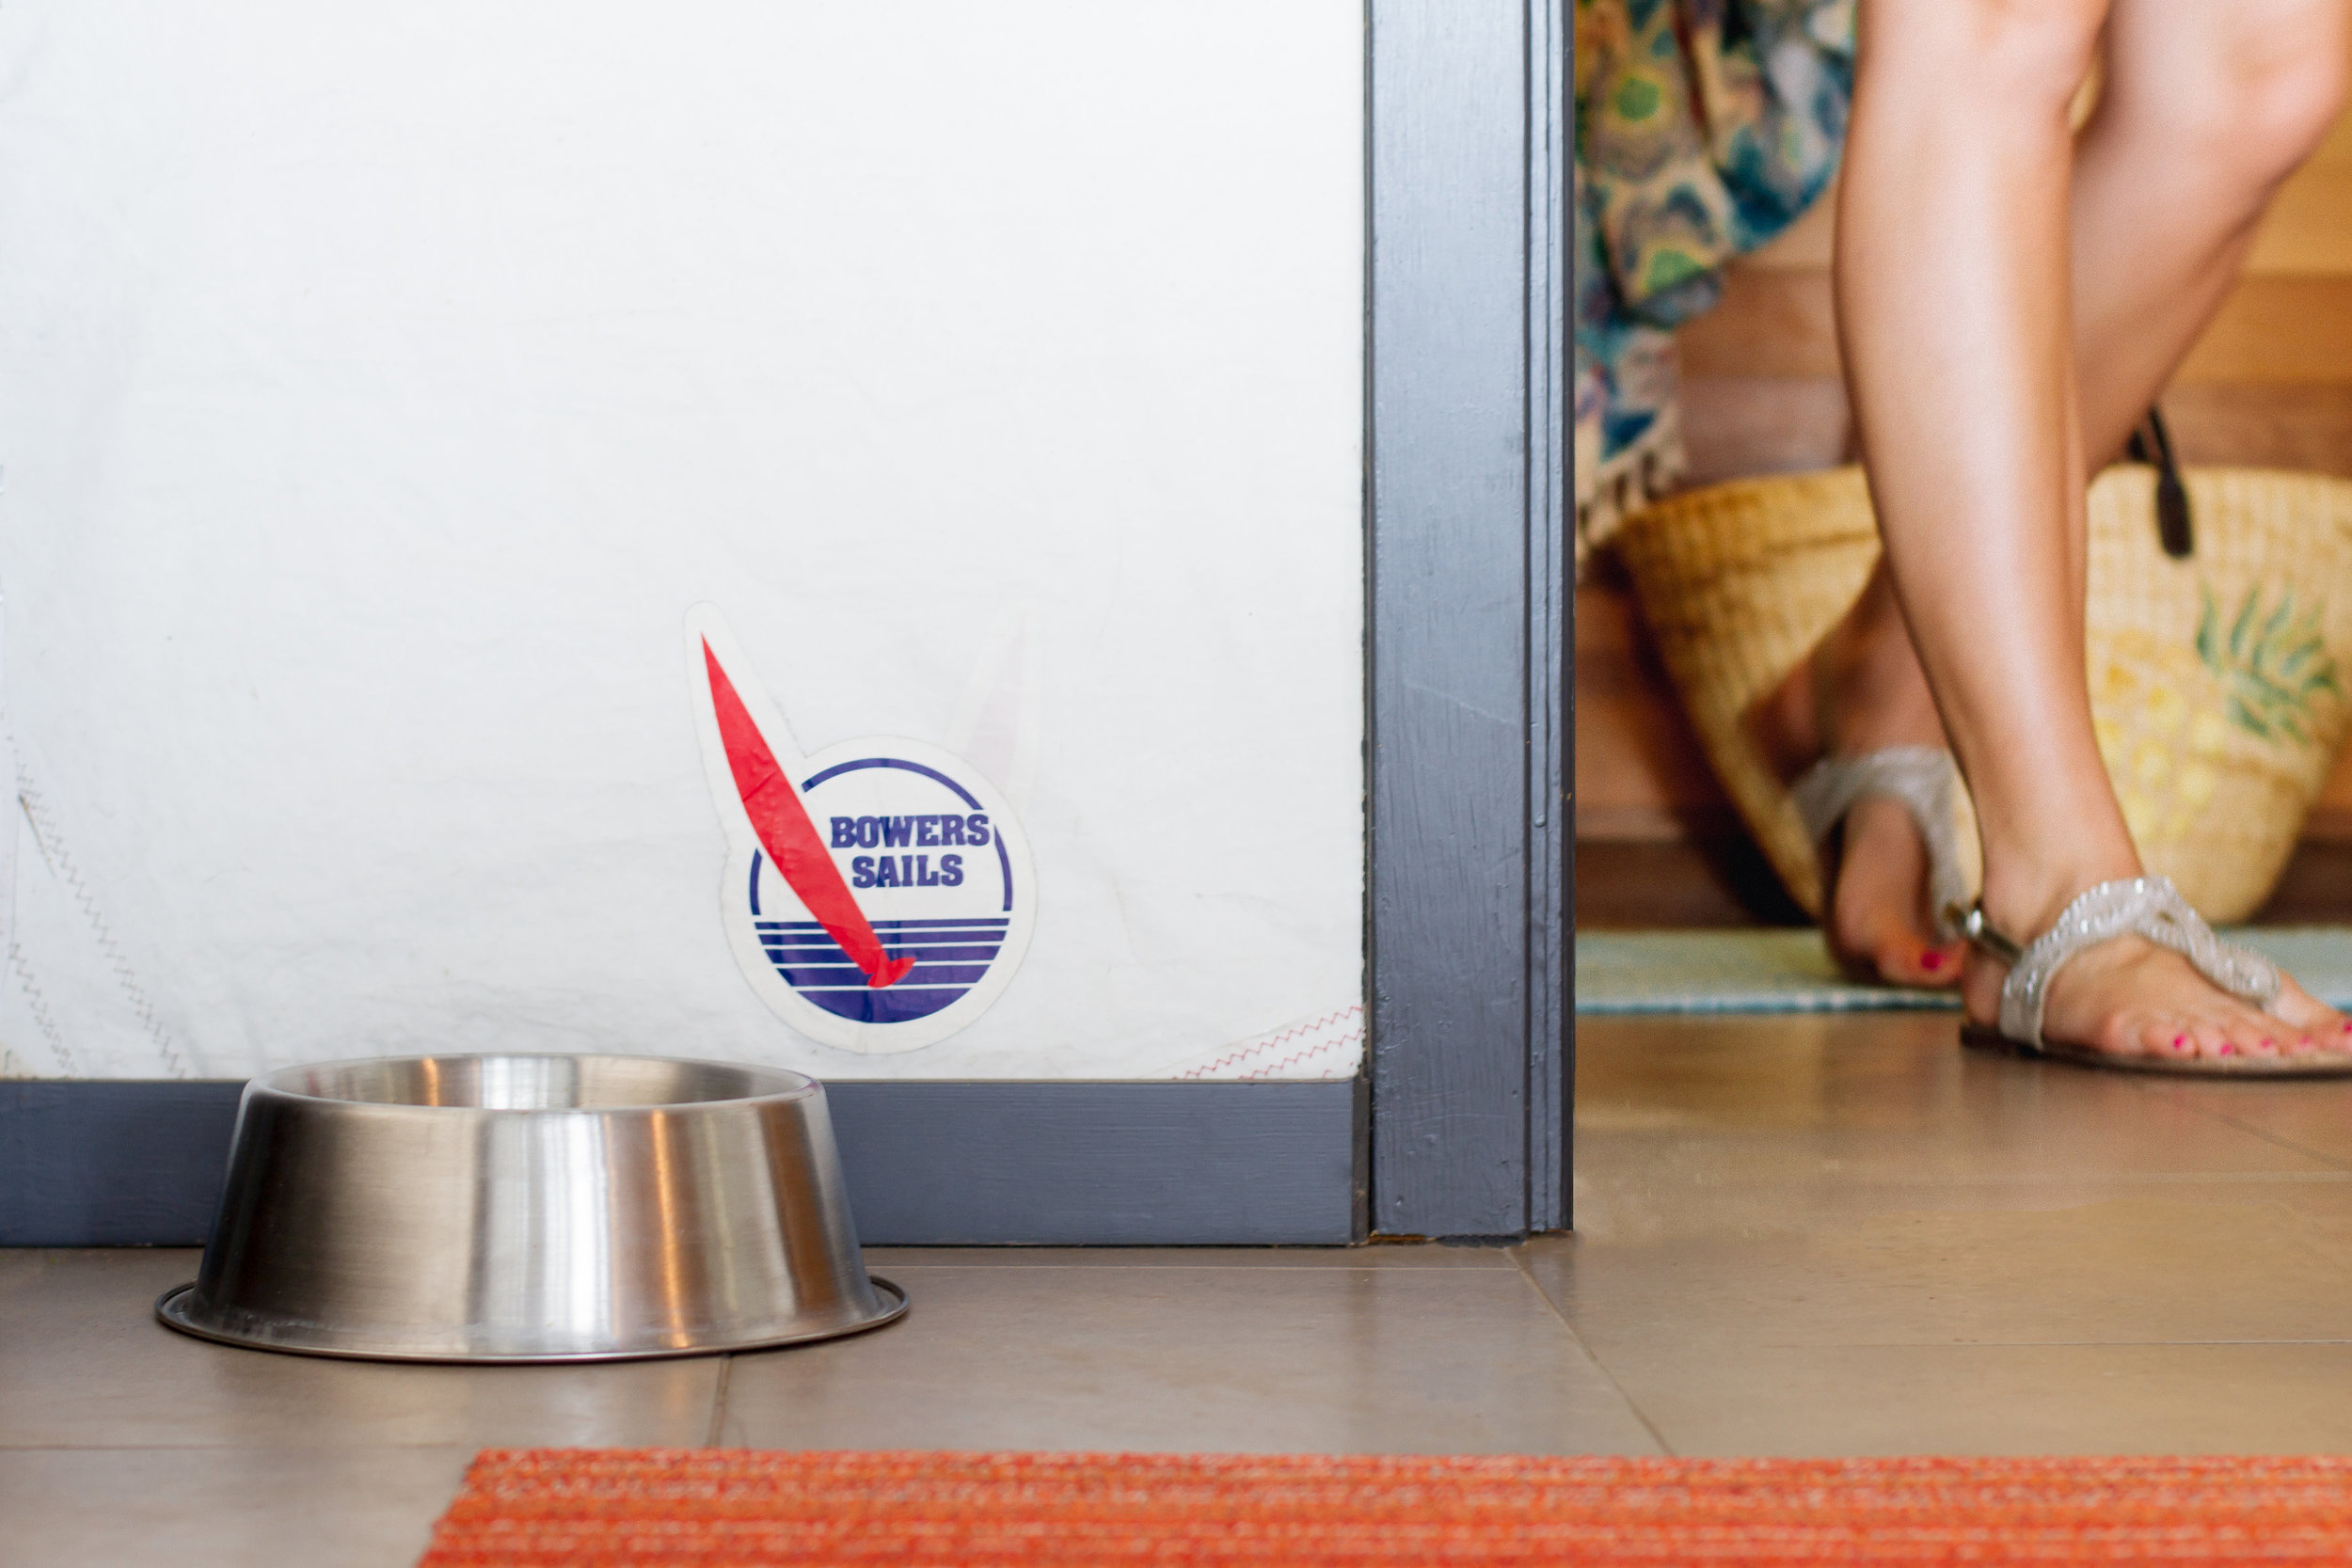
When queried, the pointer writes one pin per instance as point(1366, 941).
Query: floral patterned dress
point(1703, 129)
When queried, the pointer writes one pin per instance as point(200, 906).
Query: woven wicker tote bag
point(2217, 678)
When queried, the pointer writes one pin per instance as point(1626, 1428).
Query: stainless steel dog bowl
point(531, 1208)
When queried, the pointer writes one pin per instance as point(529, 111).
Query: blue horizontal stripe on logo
point(997, 921)
point(897, 1005)
point(951, 953)
point(905, 933)
point(800, 976)
point(894, 941)
point(825, 952)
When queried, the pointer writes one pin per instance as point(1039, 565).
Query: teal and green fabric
point(1703, 129)
point(1787, 970)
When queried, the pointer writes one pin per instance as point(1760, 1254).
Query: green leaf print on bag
point(2274, 667)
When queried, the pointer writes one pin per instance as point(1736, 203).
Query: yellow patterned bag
point(2216, 679)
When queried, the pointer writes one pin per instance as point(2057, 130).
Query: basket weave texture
point(2217, 682)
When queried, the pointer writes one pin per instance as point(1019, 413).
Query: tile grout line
point(2037, 1344)
point(2334, 1166)
point(468, 1447)
point(1252, 1268)
point(1518, 1262)
point(719, 1403)
point(2334, 1175)
point(2171, 1088)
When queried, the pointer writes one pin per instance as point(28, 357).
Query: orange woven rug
point(712, 1507)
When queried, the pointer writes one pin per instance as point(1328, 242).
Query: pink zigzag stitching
point(1234, 1058)
point(1273, 1067)
point(1244, 1053)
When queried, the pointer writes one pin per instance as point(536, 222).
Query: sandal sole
point(1978, 1036)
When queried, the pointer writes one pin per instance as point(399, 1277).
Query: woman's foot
point(1878, 924)
point(2128, 997)
point(1861, 690)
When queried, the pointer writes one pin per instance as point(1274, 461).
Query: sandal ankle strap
point(2149, 906)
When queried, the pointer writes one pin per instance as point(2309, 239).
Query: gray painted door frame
point(1468, 831)
point(1469, 612)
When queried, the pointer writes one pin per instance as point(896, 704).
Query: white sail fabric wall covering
point(395, 398)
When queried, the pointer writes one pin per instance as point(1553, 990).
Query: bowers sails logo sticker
point(877, 893)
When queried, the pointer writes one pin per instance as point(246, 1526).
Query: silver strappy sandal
point(2146, 907)
point(1924, 781)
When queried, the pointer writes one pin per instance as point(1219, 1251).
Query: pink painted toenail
point(2180, 1042)
point(1934, 962)
point(2228, 1050)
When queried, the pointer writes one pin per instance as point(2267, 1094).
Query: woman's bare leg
point(2206, 109)
point(1954, 291)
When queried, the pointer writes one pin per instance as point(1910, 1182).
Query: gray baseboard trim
point(1080, 1165)
point(87, 1163)
point(94, 1163)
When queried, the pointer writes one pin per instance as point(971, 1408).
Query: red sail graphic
point(790, 838)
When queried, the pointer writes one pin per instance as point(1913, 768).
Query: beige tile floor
point(1835, 1235)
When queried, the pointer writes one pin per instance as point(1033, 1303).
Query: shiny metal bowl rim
point(799, 1085)
point(169, 1312)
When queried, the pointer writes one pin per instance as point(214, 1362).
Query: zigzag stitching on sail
point(1234, 1057)
point(61, 866)
point(40, 1008)
point(1312, 1051)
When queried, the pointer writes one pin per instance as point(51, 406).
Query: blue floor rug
point(1775, 971)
